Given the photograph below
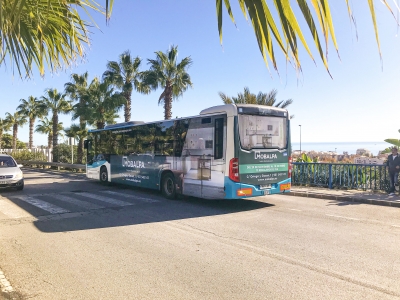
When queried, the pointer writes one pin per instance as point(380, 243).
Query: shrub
point(28, 155)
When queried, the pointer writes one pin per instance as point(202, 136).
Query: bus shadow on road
point(161, 210)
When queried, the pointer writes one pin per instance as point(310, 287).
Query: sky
point(359, 104)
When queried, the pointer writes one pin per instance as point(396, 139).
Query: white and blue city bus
point(226, 152)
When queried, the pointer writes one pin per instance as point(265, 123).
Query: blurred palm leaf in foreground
point(316, 13)
point(43, 33)
point(52, 33)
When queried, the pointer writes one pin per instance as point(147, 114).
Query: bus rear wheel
point(103, 175)
point(168, 186)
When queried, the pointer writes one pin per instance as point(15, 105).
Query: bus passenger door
point(211, 165)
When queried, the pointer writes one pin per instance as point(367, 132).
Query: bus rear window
point(262, 132)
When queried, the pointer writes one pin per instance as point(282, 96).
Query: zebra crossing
point(23, 206)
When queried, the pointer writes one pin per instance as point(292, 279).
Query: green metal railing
point(341, 176)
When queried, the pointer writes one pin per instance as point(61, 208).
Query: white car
point(10, 173)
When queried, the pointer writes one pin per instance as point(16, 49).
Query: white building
point(363, 152)
point(368, 161)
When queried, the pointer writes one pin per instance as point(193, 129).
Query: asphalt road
point(64, 237)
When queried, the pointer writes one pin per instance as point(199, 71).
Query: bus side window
point(219, 138)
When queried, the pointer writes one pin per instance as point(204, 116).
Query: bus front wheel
point(103, 175)
point(168, 186)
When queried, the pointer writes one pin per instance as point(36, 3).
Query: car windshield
point(7, 162)
point(262, 132)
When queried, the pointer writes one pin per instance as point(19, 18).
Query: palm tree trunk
point(55, 136)
point(55, 129)
point(168, 103)
point(80, 151)
point(31, 124)
point(49, 140)
point(128, 106)
point(100, 125)
point(15, 133)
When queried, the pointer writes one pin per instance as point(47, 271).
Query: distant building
point(368, 160)
point(363, 152)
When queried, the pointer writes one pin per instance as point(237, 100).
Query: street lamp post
point(300, 139)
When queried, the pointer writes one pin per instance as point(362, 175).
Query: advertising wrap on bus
point(138, 170)
point(263, 167)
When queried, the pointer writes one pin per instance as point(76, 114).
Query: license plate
point(265, 186)
point(285, 187)
point(267, 192)
point(3, 182)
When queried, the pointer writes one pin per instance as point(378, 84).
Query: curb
point(345, 198)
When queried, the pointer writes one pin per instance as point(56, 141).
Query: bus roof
point(229, 109)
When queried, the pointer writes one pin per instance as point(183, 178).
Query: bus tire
point(168, 186)
point(103, 175)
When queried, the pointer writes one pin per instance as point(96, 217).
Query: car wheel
point(20, 187)
point(103, 175)
point(168, 186)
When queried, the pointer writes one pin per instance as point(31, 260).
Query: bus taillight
point(290, 167)
point(234, 169)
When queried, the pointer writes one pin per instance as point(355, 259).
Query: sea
point(340, 147)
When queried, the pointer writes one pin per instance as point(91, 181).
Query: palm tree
point(45, 126)
point(32, 109)
point(101, 104)
point(126, 76)
point(76, 90)
point(267, 99)
point(169, 75)
point(17, 119)
point(78, 132)
point(43, 33)
point(4, 126)
point(57, 104)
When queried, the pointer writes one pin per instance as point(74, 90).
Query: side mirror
point(20, 166)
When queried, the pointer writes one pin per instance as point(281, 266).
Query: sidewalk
point(368, 197)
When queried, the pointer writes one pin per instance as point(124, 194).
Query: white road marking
point(134, 197)
point(398, 226)
point(341, 217)
point(77, 202)
point(294, 209)
point(12, 210)
point(5, 284)
point(105, 199)
point(53, 209)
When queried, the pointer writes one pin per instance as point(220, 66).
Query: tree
point(43, 33)
point(126, 76)
point(78, 132)
point(267, 99)
point(76, 90)
point(8, 142)
point(101, 104)
point(15, 120)
point(57, 104)
point(169, 75)
point(394, 142)
point(45, 126)
point(4, 126)
point(31, 109)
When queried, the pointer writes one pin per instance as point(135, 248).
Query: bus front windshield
point(262, 132)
